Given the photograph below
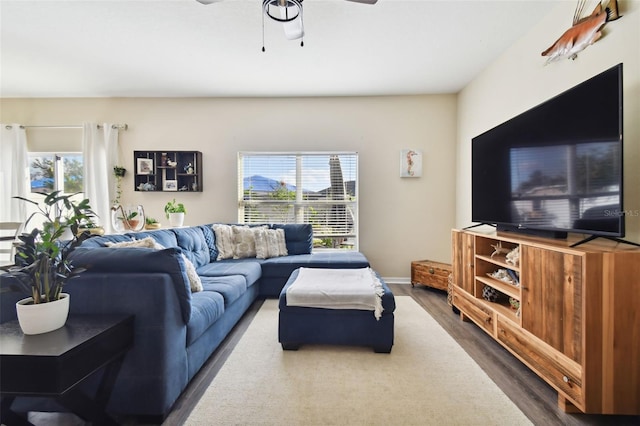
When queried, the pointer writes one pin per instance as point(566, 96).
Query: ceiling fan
point(287, 12)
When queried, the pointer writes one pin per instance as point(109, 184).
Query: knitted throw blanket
point(337, 289)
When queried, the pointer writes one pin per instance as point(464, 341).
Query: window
point(56, 172)
point(53, 172)
point(316, 188)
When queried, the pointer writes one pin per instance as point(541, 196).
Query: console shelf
point(573, 328)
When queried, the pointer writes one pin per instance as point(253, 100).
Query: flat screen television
point(556, 168)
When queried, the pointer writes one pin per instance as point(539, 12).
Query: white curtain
point(100, 152)
point(14, 173)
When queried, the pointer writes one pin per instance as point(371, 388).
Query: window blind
point(320, 188)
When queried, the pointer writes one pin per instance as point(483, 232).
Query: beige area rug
point(427, 379)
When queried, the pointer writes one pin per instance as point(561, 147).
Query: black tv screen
point(556, 167)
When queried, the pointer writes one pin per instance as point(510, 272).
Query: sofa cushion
point(231, 287)
point(100, 241)
point(282, 267)
point(250, 269)
point(164, 237)
point(206, 308)
point(299, 237)
point(192, 242)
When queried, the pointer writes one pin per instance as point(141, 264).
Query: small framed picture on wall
point(170, 185)
point(144, 166)
point(410, 163)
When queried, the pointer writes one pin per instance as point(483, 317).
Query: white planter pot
point(176, 219)
point(43, 317)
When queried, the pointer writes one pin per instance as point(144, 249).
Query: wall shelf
point(168, 171)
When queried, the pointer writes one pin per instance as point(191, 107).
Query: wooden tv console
point(579, 320)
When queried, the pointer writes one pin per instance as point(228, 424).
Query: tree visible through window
point(315, 188)
point(53, 172)
point(49, 172)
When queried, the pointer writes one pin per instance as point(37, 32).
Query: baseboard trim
point(397, 280)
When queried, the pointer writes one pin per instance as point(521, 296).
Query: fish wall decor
point(584, 32)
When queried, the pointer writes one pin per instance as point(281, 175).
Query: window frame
point(303, 206)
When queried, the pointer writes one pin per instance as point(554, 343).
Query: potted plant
point(152, 223)
point(175, 213)
point(129, 218)
point(42, 261)
point(90, 225)
point(118, 172)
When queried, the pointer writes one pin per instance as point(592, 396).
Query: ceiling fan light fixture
point(288, 10)
point(289, 14)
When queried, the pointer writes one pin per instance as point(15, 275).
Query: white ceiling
point(181, 48)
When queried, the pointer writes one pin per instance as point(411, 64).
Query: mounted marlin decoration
point(585, 31)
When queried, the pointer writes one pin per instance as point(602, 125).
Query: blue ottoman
point(303, 325)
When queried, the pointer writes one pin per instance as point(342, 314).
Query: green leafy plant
point(43, 265)
point(128, 216)
point(151, 221)
point(173, 207)
point(118, 172)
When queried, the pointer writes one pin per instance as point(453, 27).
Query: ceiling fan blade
point(208, 1)
point(361, 1)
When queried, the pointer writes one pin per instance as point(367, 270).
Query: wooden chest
point(430, 274)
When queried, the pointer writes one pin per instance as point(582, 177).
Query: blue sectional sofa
point(177, 330)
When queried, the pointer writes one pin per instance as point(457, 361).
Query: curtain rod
point(70, 126)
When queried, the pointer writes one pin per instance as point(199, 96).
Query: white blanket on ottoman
point(337, 289)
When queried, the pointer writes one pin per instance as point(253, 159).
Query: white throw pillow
point(270, 243)
point(148, 242)
point(224, 241)
point(262, 247)
point(194, 279)
point(273, 248)
point(244, 242)
point(282, 243)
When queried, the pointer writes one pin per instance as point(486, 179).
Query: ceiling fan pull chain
point(301, 26)
point(263, 49)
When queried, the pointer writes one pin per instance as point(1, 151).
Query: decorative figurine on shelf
point(171, 163)
point(513, 257)
point(163, 159)
point(146, 186)
point(188, 169)
point(498, 249)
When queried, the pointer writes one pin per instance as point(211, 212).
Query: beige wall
point(519, 81)
point(401, 219)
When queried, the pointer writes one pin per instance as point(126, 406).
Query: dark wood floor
point(535, 398)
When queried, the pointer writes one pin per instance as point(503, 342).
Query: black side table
point(53, 364)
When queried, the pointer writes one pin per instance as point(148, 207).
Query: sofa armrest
point(155, 370)
point(116, 262)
